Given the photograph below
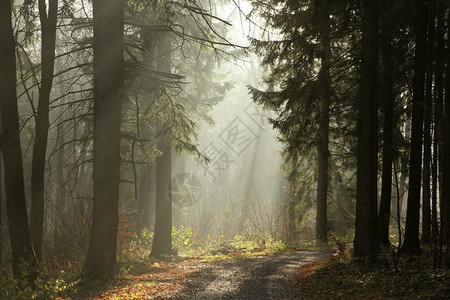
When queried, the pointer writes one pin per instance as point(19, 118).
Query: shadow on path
point(261, 277)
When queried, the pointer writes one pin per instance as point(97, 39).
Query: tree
point(22, 251)
point(162, 240)
point(386, 39)
point(48, 28)
point(147, 170)
point(324, 121)
point(366, 238)
point(445, 206)
point(108, 22)
point(411, 241)
point(311, 70)
point(426, 189)
point(438, 108)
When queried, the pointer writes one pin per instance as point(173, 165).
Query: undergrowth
point(47, 285)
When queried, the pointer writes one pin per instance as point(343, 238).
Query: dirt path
point(261, 277)
point(257, 277)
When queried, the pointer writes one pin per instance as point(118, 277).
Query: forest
point(230, 149)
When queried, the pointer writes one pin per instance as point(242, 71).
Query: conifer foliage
point(372, 73)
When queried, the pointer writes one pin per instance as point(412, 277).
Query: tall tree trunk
point(434, 196)
point(108, 93)
point(162, 240)
point(439, 106)
point(145, 190)
point(411, 242)
point(146, 171)
point(60, 209)
point(60, 202)
point(2, 197)
point(366, 236)
point(48, 29)
point(324, 120)
point(22, 251)
point(388, 122)
point(426, 189)
point(446, 189)
point(1, 213)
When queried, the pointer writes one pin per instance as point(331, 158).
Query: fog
point(241, 188)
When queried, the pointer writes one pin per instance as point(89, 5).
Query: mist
point(144, 136)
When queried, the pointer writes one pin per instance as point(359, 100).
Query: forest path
point(256, 277)
point(259, 277)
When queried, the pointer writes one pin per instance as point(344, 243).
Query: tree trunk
point(388, 123)
point(438, 111)
point(145, 193)
point(446, 189)
point(48, 29)
point(60, 203)
point(108, 93)
point(366, 183)
point(324, 120)
point(426, 189)
point(60, 209)
point(146, 171)
point(162, 240)
point(434, 196)
point(22, 251)
point(411, 243)
point(1, 210)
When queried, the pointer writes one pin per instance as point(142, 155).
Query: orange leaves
point(152, 280)
point(123, 231)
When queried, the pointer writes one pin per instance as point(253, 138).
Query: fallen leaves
point(151, 280)
point(347, 279)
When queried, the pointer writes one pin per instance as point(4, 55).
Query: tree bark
point(434, 196)
point(145, 191)
point(22, 251)
point(438, 113)
point(366, 238)
point(324, 120)
point(388, 123)
point(48, 31)
point(445, 223)
point(108, 92)
point(411, 242)
point(162, 240)
point(1, 211)
point(147, 170)
point(426, 189)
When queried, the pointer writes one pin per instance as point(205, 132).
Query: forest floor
point(343, 277)
point(306, 274)
point(238, 276)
